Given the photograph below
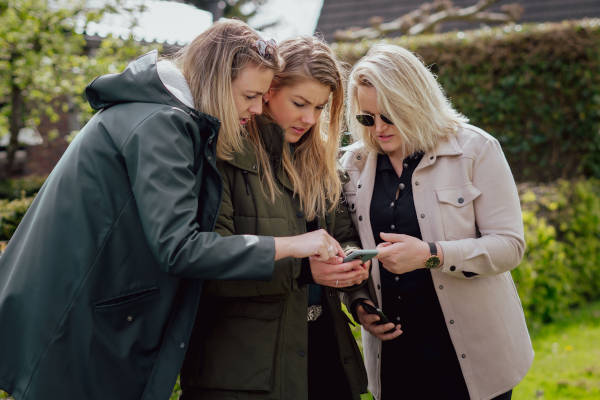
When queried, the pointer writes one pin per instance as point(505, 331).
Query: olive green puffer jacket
point(256, 347)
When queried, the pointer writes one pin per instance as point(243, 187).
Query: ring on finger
point(336, 283)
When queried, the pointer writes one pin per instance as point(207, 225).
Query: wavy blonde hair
point(312, 168)
point(407, 93)
point(210, 63)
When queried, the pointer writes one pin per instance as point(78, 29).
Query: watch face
point(432, 262)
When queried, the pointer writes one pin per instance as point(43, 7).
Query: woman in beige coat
point(437, 198)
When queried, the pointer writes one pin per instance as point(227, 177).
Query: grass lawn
point(567, 360)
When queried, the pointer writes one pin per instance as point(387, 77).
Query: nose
point(309, 117)
point(380, 126)
point(256, 106)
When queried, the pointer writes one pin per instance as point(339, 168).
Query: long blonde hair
point(312, 168)
point(407, 93)
point(211, 62)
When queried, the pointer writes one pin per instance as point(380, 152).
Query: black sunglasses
point(369, 120)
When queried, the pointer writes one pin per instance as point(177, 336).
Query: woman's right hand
point(369, 322)
point(318, 244)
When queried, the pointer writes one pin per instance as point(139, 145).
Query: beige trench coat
point(465, 199)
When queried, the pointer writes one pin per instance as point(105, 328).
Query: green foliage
point(536, 87)
point(562, 230)
point(11, 213)
point(44, 66)
point(21, 187)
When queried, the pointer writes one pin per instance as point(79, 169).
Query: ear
point(267, 96)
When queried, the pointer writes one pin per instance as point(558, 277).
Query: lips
point(384, 138)
point(244, 121)
point(299, 131)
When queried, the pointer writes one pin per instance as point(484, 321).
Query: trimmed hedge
point(536, 87)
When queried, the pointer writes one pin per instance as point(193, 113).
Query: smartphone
point(364, 255)
point(383, 319)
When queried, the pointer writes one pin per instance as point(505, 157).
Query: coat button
point(463, 355)
point(392, 226)
point(431, 158)
point(398, 319)
point(416, 183)
point(392, 204)
point(422, 215)
point(378, 286)
point(209, 158)
point(441, 287)
point(451, 322)
point(460, 200)
point(358, 157)
point(401, 186)
point(181, 345)
point(254, 167)
point(396, 278)
point(452, 268)
point(405, 165)
point(360, 217)
point(359, 185)
point(129, 318)
point(352, 206)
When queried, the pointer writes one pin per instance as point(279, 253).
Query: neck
point(396, 159)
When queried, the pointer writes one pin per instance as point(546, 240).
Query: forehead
point(367, 98)
point(311, 90)
point(253, 78)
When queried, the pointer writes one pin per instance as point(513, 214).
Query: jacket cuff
point(453, 260)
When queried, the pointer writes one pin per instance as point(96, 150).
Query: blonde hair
point(312, 168)
point(407, 93)
point(210, 63)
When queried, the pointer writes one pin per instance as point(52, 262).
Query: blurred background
point(526, 71)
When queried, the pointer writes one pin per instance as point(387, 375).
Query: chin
point(292, 138)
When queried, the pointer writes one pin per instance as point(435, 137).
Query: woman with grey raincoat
point(100, 284)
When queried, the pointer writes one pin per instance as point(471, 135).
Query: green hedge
point(536, 87)
point(560, 269)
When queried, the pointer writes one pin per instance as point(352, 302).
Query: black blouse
point(420, 363)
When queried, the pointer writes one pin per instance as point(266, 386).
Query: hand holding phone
point(370, 309)
point(364, 255)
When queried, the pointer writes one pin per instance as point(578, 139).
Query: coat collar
point(272, 138)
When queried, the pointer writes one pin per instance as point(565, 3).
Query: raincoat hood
point(145, 80)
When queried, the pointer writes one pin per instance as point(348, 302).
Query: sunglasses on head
point(369, 120)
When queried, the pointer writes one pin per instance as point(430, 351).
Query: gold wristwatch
point(433, 261)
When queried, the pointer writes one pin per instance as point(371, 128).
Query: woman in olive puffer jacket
point(286, 338)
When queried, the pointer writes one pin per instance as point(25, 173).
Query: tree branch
point(427, 17)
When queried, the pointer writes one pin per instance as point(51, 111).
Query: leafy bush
point(562, 230)
point(11, 213)
point(20, 187)
point(536, 87)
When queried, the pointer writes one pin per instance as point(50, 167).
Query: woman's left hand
point(402, 253)
point(335, 273)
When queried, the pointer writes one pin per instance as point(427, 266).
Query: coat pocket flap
point(458, 196)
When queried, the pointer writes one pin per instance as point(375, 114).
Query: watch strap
point(432, 248)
